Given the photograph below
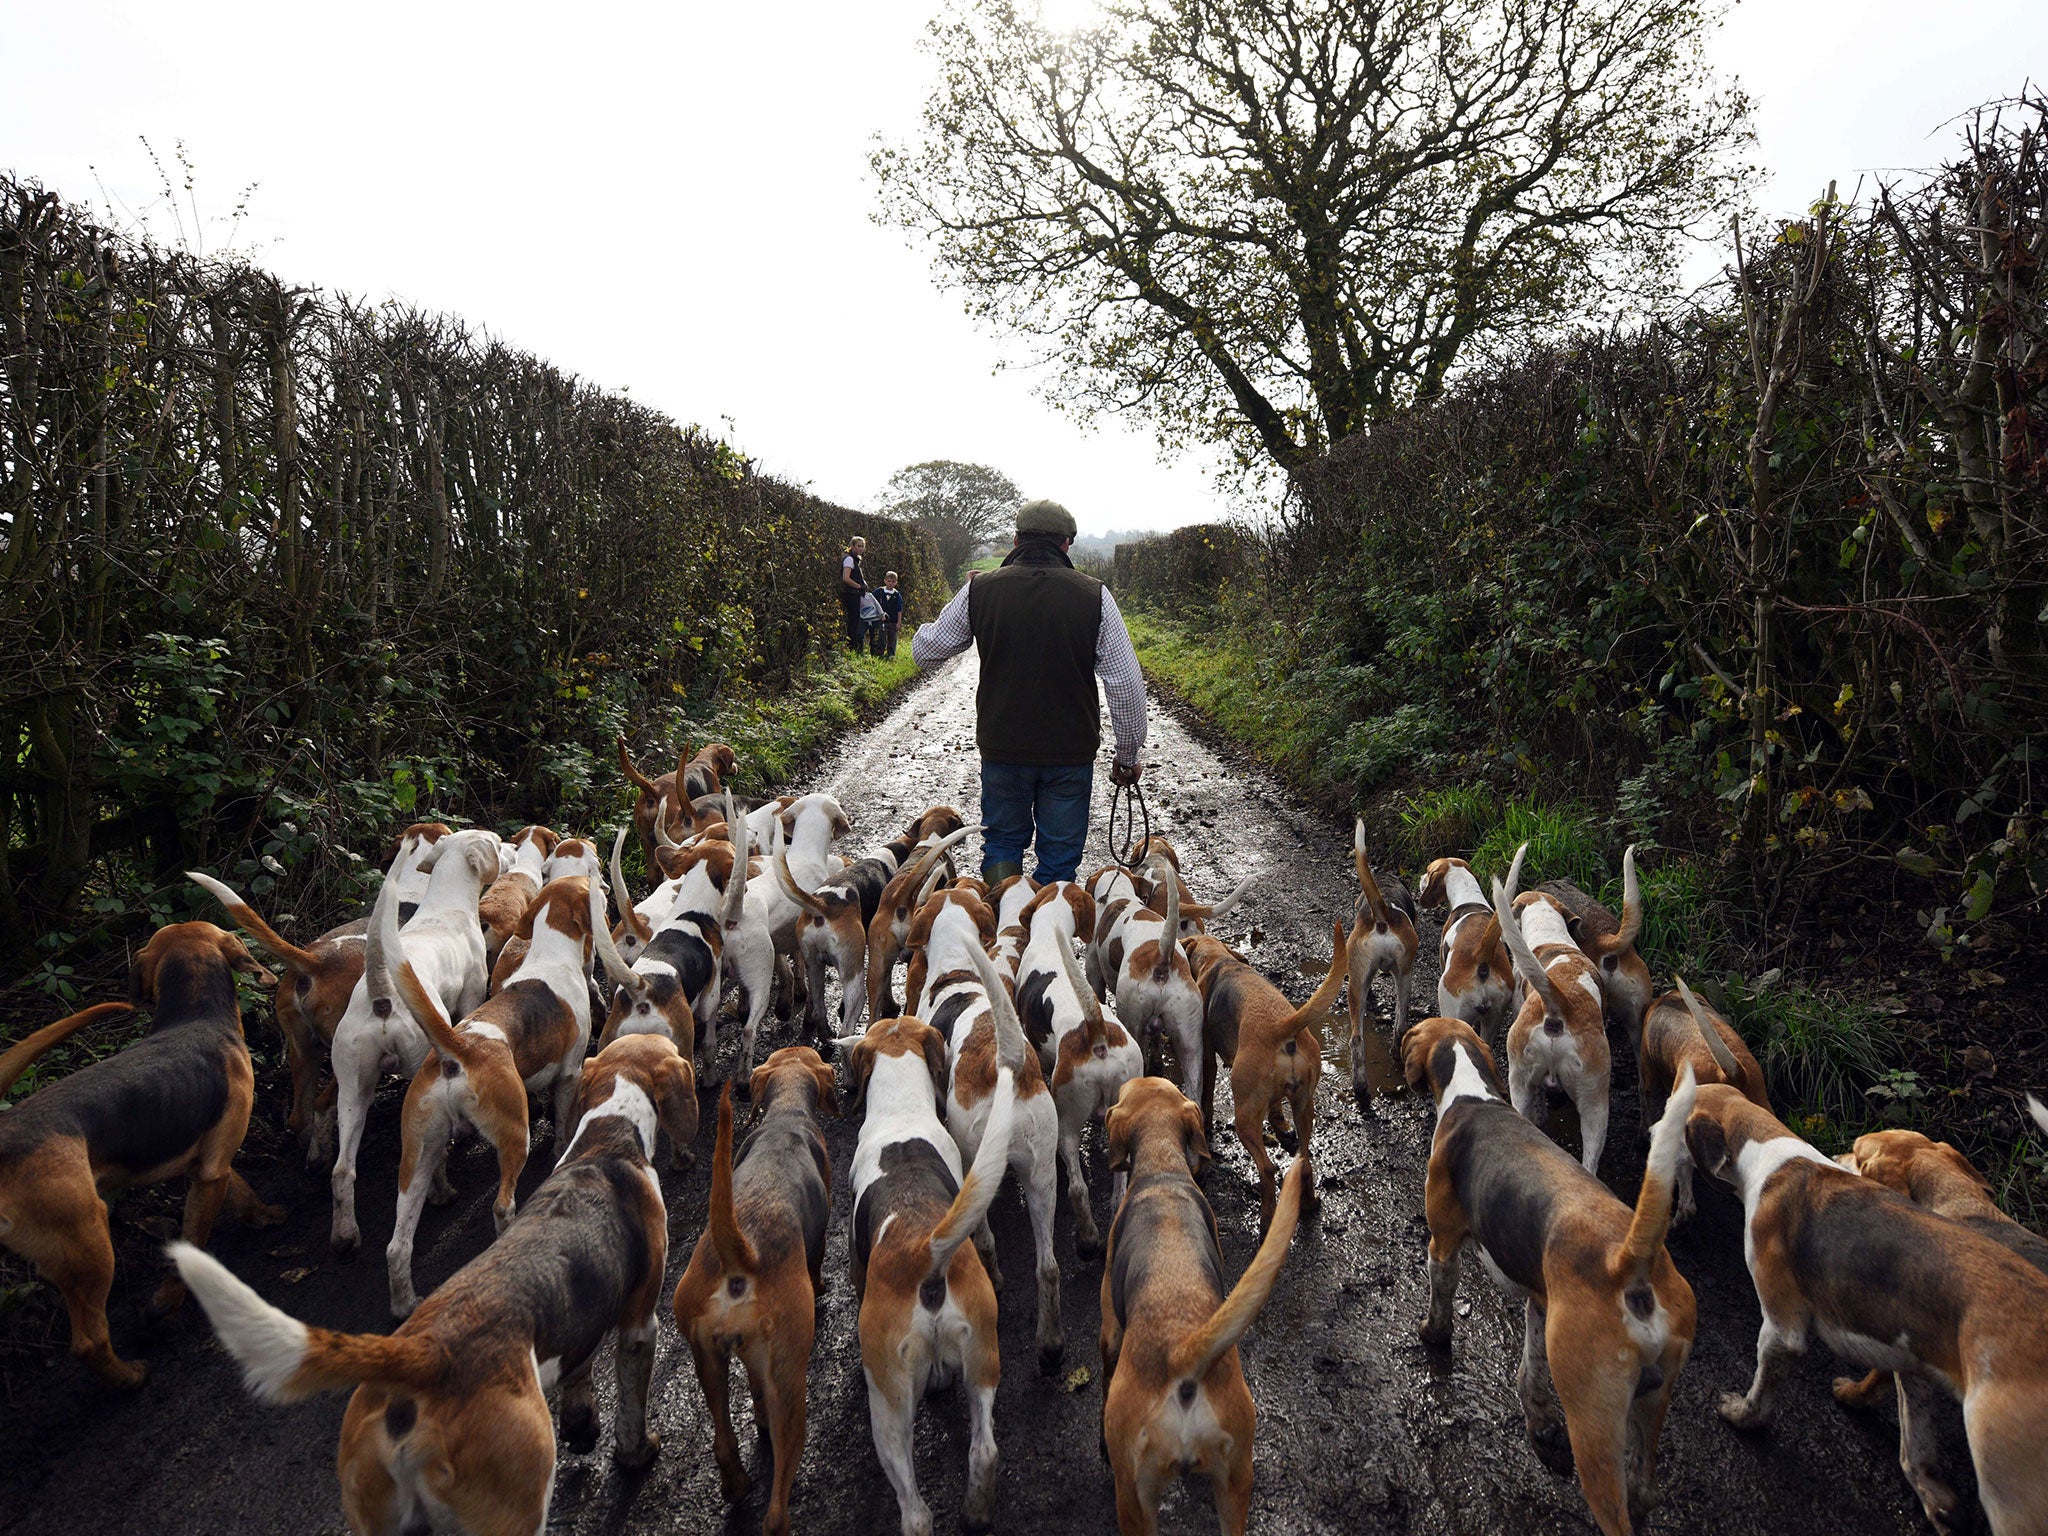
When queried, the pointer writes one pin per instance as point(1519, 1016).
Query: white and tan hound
point(927, 1309)
point(1604, 1308)
point(1887, 1286)
point(448, 1426)
point(528, 1037)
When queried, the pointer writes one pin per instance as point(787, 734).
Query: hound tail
point(2039, 1111)
point(1518, 944)
point(378, 944)
point(1631, 903)
point(736, 883)
point(635, 923)
point(1368, 887)
point(1653, 1202)
point(646, 785)
point(735, 1253)
point(251, 922)
point(977, 1191)
point(1093, 1025)
point(24, 1053)
point(661, 834)
point(1169, 936)
point(792, 890)
point(1193, 1357)
point(608, 955)
point(1724, 1058)
point(1011, 1044)
point(1311, 1014)
point(282, 1359)
point(419, 1002)
point(1489, 936)
point(1203, 912)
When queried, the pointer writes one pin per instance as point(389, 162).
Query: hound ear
point(524, 928)
point(1962, 1165)
point(142, 976)
point(934, 1045)
point(828, 1088)
point(547, 839)
point(679, 1102)
point(1709, 1143)
point(1415, 1062)
point(860, 1061)
point(1194, 1138)
point(1119, 1127)
point(238, 958)
point(1492, 1067)
point(758, 1083)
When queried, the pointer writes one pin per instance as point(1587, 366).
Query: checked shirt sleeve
point(950, 633)
point(1123, 685)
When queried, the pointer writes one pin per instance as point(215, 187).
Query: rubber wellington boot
point(995, 874)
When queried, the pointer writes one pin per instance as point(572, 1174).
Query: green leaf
point(1977, 905)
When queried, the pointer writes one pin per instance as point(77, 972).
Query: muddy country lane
point(1360, 1427)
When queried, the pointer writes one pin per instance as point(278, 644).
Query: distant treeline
point(1767, 576)
point(278, 568)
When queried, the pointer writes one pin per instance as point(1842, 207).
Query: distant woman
point(853, 586)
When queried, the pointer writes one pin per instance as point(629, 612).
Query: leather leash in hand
point(1135, 810)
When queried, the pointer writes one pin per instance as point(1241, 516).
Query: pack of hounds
point(487, 965)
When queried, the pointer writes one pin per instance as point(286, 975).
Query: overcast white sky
point(675, 198)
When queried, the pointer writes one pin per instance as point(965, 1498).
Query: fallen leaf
point(1078, 1378)
point(294, 1276)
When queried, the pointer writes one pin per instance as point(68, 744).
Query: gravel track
point(1360, 1427)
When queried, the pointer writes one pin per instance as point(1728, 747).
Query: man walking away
point(891, 601)
point(853, 586)
point(1045, 633)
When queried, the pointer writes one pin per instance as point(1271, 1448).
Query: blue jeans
point(1014, 796)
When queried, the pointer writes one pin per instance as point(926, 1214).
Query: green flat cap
point(1046, 517)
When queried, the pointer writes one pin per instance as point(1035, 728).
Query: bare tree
point(1265, 222)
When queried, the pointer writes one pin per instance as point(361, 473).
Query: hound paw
point(167, 1298)
point(121, 1375)
point(1552, 1446)
point(1435, 1334)
point(640, 1455)
point(733, 1481)
point(1863, 1392)
point(579, 1429)
point(260, 1215)
point(1735, 1408)
point(1087, 1249)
